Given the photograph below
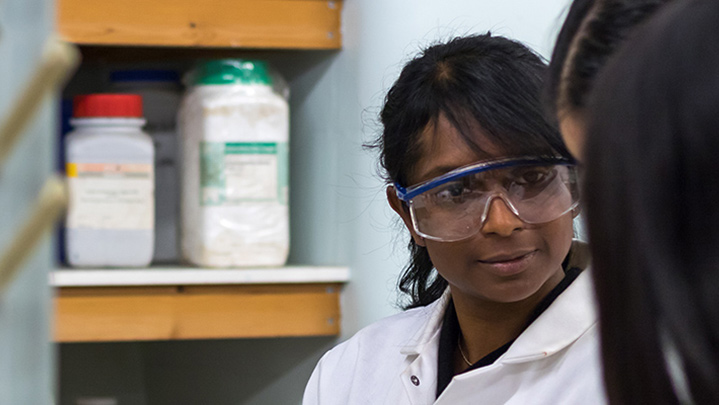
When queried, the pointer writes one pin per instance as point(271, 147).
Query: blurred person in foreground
point(651, 187)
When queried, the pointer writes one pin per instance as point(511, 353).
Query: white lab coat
point(394, 361)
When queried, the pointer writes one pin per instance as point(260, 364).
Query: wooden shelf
point(115, 308)
point(257, 24)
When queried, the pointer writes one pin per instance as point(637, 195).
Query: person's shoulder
point(371, 360)
point(382, 339)
point(391, 331)
point(401, 320)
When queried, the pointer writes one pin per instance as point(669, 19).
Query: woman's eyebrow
point(435, 172)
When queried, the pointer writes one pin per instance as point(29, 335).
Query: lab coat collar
point(435, 312)
point(570, 316)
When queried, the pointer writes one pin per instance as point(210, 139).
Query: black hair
point(478, 81)
point(578, 11)
point(591, 33)
point(650, 192)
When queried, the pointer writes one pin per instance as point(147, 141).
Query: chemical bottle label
point(232, 173)
point(111, 196)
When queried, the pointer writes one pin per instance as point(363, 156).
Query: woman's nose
point(500, 219)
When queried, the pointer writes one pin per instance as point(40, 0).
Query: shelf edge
point(197, 276)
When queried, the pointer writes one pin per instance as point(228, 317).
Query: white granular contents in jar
point(234, 181)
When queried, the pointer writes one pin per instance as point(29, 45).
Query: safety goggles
point(455, 205)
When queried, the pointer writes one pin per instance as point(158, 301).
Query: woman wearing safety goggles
point(454, 206)
point(500, 308)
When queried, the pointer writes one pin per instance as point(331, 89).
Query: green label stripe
point(212, 165)
point(251, 148)
point(213, 181)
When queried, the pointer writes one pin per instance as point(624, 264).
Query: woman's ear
point(403, 211)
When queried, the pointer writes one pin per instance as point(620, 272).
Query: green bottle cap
point(231, 71)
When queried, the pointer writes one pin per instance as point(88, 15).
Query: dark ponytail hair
point(591, 33)
point(651, 189)
point(481, 81)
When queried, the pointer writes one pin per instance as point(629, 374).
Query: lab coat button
point(415, 380)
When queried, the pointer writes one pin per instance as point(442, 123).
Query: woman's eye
point(452, 191)
point(532, 177)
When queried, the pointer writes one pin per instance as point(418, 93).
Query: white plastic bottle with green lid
point(234, 130)
point(109, 169)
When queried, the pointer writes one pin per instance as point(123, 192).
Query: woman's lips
point(509, 265)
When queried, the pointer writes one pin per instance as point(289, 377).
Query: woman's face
point(507, 260)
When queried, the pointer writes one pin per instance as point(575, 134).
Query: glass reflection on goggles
point(455, 205)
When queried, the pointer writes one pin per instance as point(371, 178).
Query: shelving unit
point(176, 303)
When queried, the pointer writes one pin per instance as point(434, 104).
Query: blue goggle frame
point(407, 194)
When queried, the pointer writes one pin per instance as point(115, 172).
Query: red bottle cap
point(107, 105)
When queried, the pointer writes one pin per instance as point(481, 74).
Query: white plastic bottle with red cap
point(110, 173)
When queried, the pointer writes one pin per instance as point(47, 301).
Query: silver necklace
point(461, 352)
